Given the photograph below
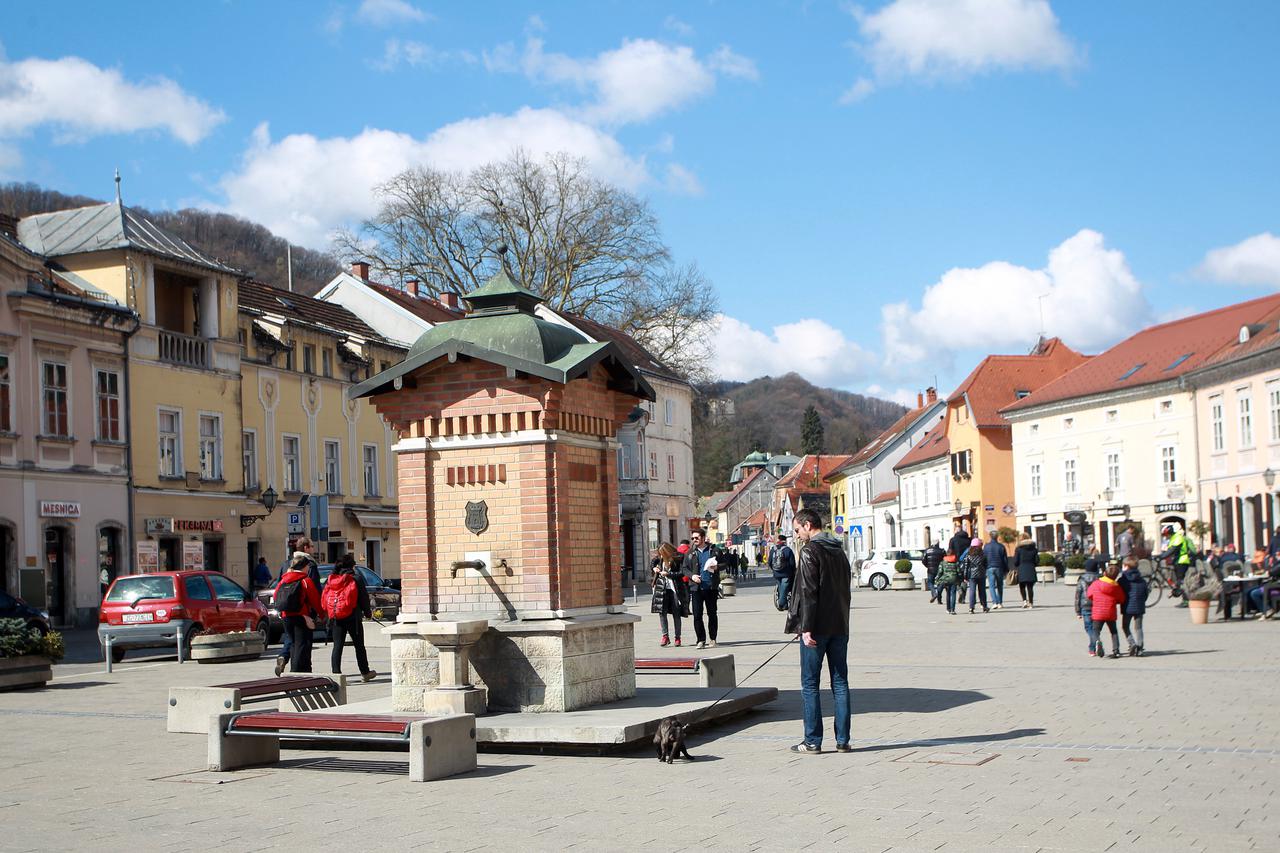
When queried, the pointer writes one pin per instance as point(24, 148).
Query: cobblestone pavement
point(993, 732)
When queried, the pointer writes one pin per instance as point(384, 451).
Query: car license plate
point(138, 617)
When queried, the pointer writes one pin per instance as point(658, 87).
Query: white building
point(924, 489)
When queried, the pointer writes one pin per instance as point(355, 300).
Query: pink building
point(64, 433)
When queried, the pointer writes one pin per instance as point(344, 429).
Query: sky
point(881, 193)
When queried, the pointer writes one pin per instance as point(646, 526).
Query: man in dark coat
point(932, 559)
point(782, 561)
point(997, 565)
point(959, 541)
point(702, 569)
point(819, 614)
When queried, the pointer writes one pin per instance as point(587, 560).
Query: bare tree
point(584, 245)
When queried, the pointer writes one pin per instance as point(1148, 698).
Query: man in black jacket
point(782, 560)
point(932, 559)
point(819, 613)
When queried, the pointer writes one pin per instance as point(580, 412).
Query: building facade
point(924, 488)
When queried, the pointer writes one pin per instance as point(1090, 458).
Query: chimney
point(9, 225)
point(931, 394)
point(919, 400)
point(450, 299)
point(412, 286)
point(360, 269)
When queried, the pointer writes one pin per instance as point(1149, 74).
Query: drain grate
point(963, 759)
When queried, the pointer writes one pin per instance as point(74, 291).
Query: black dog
point(669, 739)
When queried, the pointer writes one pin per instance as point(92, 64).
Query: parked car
point(877, 569)
point(382, 595)
point(12, 607)
point(147, 611)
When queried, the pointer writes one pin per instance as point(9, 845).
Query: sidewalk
point(992, 732)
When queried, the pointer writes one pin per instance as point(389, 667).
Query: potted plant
point(902, 577)
point(1199, 529)
point(1200, 588)
point(1075, 568)
point(1048, 568)
point(26, 655)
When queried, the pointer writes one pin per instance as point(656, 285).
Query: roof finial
point(117, 185)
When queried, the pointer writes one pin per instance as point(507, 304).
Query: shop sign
point(1179, 507)
point(197, 525)
point(192, 556)
point(334, 534)
point(59, 509)
point(158, 525)
point(989, 508)
point(148, 556)
point(1118, 511)
point(1075, 516)
point(1007, 509)
point(1040, 516)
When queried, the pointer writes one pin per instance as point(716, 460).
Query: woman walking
point(1026, 559)
point(975, 572)
point(670, 592)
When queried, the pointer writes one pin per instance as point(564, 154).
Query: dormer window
point(1244, 334)
point(1019, 394)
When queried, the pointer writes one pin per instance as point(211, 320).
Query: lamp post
point(269, 499)
point(1107, 494)
point(1269, 477)
point(959, 506)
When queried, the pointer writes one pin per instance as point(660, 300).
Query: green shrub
point(1045, 558)
point(1007, 535)
point(1075, 561)
point(17, 640)
point(902, 567)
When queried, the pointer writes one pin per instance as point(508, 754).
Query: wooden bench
point(190, 707)
point(712, 671)
point(438, 746)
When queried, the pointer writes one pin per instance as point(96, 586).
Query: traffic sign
point(295, 522)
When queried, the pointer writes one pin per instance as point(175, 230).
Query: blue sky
point(881, 194)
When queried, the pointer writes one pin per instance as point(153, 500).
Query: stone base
point(227, 648)
point(25, 671)
point(525, 666)
point(444, 700)
point(903, 581)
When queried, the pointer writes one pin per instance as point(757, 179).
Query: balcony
point(183, 350)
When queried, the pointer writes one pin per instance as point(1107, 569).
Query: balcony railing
point(184, 350)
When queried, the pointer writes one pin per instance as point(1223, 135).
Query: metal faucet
point(478, 565)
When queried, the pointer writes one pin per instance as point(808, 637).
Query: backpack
point(340, 596)
point(289, 597)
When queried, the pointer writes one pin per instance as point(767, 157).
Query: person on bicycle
point(1181, 555)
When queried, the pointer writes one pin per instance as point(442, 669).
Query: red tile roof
point(1156, 354)
point(885, 497)
point(423, 307)
point(1260, 340)
point(801, 476)
point(933, 445)
point(262, 297)
point(999, 379)
point(736, 493)
point(757, 519)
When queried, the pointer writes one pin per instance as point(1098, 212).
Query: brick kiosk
point(509, 510)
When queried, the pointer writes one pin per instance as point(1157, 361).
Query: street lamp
point(269, 499)
point(959, 505)
point(1269, 477)
point(1107, 494)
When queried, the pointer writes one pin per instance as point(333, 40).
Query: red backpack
point(340, 596)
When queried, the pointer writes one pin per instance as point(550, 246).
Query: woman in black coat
point(1026, 559)
point(670, 591)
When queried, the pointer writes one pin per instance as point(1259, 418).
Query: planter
point(1072, 576)
point(730, 586)
point(903, 581)
point(225, 648)
point(1199, 611)
point(1047, 574)
point(26, 671)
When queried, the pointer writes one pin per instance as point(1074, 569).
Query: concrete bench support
point(717, 671)
point(442, 747)
point(233, 752)
point(190, 708)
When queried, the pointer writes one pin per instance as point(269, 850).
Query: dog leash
point(767, 660)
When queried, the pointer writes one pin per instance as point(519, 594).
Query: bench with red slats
point(355, 727)
point(667, 665)
point(267, 689)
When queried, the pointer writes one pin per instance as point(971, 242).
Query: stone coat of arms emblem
point(477, 520)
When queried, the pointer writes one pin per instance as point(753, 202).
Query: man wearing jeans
point(783, 563)
point(819, 613)
point(701, 567)
point(997, 565)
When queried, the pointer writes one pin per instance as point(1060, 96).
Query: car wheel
point(188, 638)
point(879, 581)
point(264, 631)
point(39, 627)
point(117, 654)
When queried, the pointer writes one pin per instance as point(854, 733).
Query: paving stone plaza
point(989, 732)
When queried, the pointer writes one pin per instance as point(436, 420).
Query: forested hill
point(238, 242)
point(767, 415)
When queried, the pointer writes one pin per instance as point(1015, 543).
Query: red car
point(147, 611)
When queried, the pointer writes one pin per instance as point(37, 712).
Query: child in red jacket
point(1107, 596)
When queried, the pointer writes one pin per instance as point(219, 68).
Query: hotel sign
point(1178, 507)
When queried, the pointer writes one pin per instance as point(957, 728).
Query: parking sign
point(295, 522)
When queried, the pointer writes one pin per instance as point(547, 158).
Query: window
point(669, 411)
point(1070, 485)
point(653, 465)
point(197, 588)
point(53, 398)
point(1166, 408)
point(370, 456)
point(242, 335)
point(226, 589)
point(326, 360)
point(924, 483)
point(107, 383)
point(210, 447)
point(1244, 406)
point(1035, 429)
point(1273, 404)
point(289, 358)
point(1037, 487)
point(6, 418)
point(170, 443)
point(671, 468)
point(1068, 423)
point(1215, 423)
point(384, 366)
point(1169, 465)
point(308, 358)
point(1179, 360)
point(961, 463)
point(1113, 469)
point(332, 468)
point(1132, 371)
point(1113, 415)
point(249, 458)
point(292, 464)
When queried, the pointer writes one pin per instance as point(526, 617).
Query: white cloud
point(682, 181)
point(1254, 261)
point(416, 54)
point(10, 160)
point(901, 396)
point(303, 187)
point(677, 26)
point(634, 82)
point(934, 39)
point(80, 100)
point(384, 13)
point(809, 347)
point(861, 88)
point(1091, 300)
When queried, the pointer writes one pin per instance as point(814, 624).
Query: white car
point(877, 568)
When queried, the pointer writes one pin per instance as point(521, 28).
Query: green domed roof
point(759, 457)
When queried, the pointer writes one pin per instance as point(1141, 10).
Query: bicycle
point(1158, 580)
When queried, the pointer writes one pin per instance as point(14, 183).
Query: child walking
point(1135, 588)
point(1107, 597)
point(1083, 610)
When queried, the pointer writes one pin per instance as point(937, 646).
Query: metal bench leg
point(442, 747)
point(232, 752)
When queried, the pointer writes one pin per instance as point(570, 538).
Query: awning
point(378, 520)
